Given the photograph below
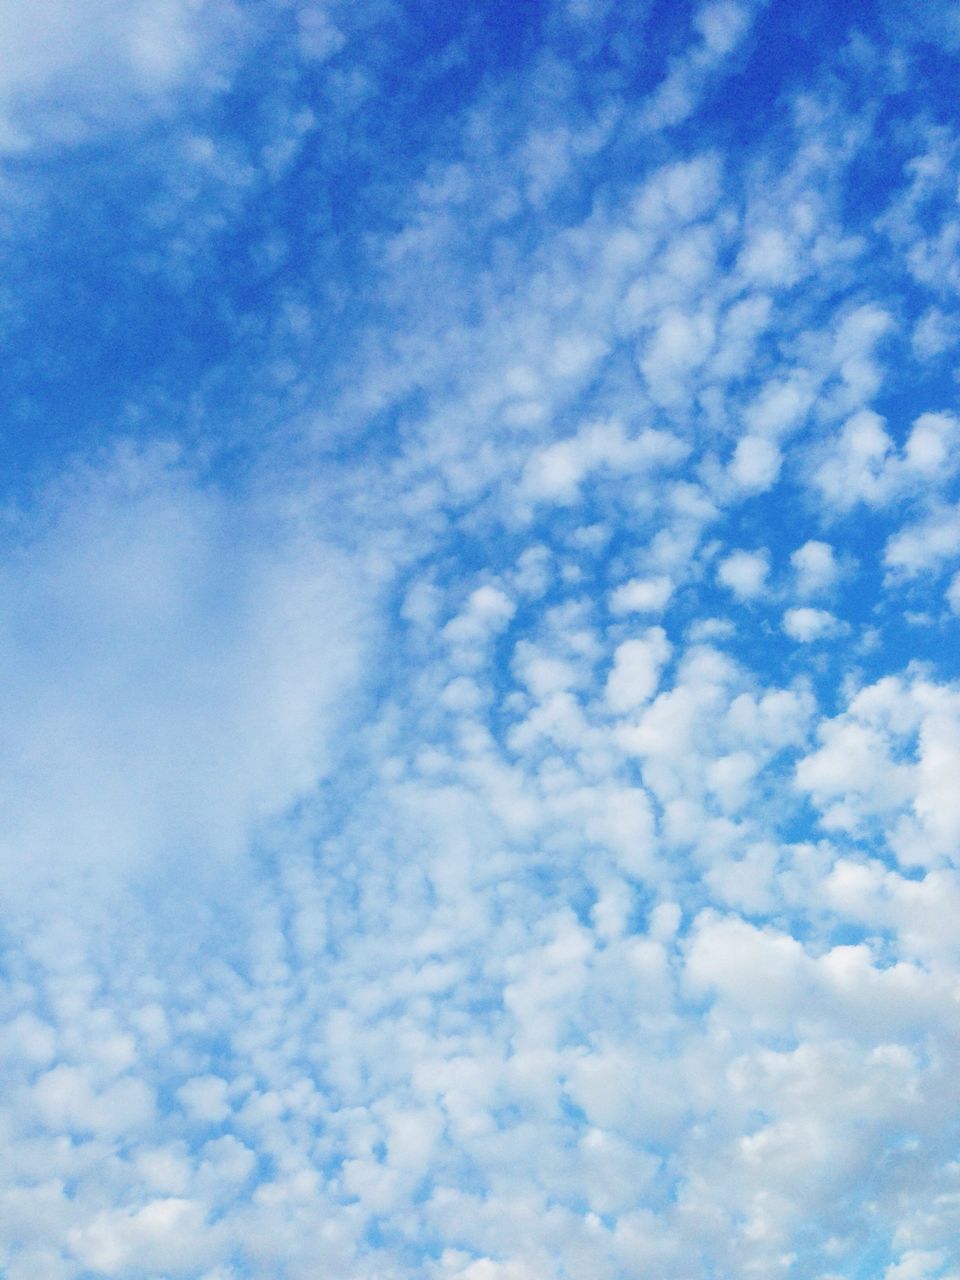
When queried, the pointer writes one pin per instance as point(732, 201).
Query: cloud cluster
point(71, 71)
point(500, 822)
point(176, 667)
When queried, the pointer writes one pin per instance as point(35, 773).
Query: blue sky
point(478, 641)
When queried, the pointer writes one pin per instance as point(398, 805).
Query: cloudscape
point(479, 665)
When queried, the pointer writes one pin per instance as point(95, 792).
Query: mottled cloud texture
point(479, 670)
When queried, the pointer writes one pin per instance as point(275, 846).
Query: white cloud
point(856, 470)
point(556, 472)
point(680, 345)
point(755, 464)
point(930, 445)
point(706, 629)
point(769, 258)
point(205, 1098)
point(935, 333)
point(721, 25)
point(636, 669)
point(729, 778)
point(806, 624)
point(679, 192)
point(167, 1234)
point(641, 595)
point(65, 1098)
point(170, 676)
point(781, 405)
point(744, 573)
point(862, 465)
point(488, 610)
point(815, 566)
point(520, 942)
point(887, 761)
point(925, 545)
point(918, 1264)
point(70, 70)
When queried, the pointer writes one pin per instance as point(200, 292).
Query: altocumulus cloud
point(480, 701)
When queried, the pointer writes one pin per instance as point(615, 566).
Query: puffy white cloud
point(65, 1098)
point(935, 333)
point(930, 445)
point(680, 344)
point(641, 595)
point(806, 624)
point(815, 566)
point(769, 258)
point(722, 24)
point(30, 1038)
point(205, 1098)
point(636, 670)
point(487, 611)
point(853, 763)
point(755, 464)
point(863, 466)
point(919, 1264)
point(556, 472)
point(759, 971)
point(522, 946)
point(781, 405)
point(168, 1234)
point(924, 545)
point(888, 759)
point(857, 468)
point(744, 573)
